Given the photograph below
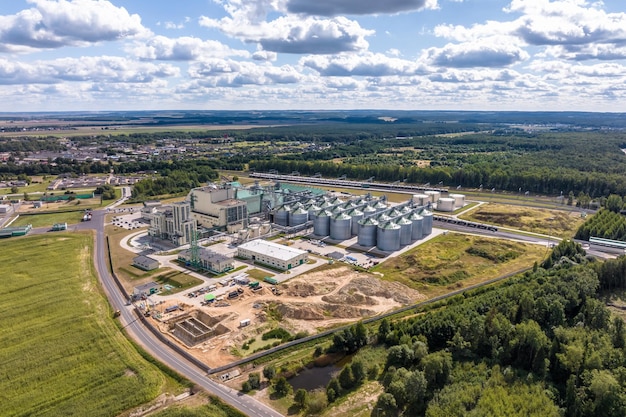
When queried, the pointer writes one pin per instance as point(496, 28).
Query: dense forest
point(542, 344)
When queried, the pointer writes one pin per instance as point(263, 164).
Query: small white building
point(5, 208)
point(272, 254)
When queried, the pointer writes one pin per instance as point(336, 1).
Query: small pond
point(313, 378)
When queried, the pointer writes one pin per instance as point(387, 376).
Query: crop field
point(553, 222)
point(62, 354)
point(454, 260)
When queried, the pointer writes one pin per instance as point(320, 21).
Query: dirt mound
point(321, 311)
point(362, 289)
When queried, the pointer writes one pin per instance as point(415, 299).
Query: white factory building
point(218, 207)
point(272, 254)
point(173, 222)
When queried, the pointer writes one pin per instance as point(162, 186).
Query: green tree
point(269, 372)
point(301, 398)
point(614, 203)
point(254, 378)
point(282, 387)
point(386, 406)
point(358, 372)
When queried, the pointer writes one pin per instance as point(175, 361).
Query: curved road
point(141, 335)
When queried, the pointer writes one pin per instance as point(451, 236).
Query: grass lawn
point(454, 260)
point(48, 219)
point(62, 353)
point(553, 222)
point(258, 274)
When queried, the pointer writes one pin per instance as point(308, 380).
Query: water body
point(313, 378)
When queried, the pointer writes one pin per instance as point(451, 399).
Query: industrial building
point(5, 208)
point(174, 223)
point(207, 260)
point(272, 254)
point(15, 231)
point(145, 262)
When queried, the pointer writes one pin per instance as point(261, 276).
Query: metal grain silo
point(418, 224)
point(427, 227)
point(368, 211)
point(393, 213)
point(367, 232)
point(421, 199)
point(383, 217)
point(406, 209)
point(357, 216)
point(321, 223)
point(388, 237)
point(459, 200)
point(445, 204)
point(298, 216)
point(312, 209)
point(281, 216)
point(341, 226)
point(406, 231)
point(380, 206)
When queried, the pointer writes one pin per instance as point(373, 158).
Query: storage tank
point(341, 227)
point(368, 211)
point(380, 206)
point(393, 213)
point(388, 237)
point(433, 195)
point(418, 224)
point(255, 230)
point(383, 217)
point(266, 227)
point(243, 234)
point(459, 200)
point(298, 216)
point(367, 232)
point(445, 204)
point(427, 227)
point(321, 224)
point(421, 199)
point(281, 216)
point(406, 231)
point(312, 209)
point(357, 216)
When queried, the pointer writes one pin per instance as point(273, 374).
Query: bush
point(278, 333)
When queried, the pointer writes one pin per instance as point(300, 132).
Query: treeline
point(174, 181)
point(542, 344)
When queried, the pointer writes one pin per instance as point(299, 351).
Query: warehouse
point(145, 262)
point(272, 254)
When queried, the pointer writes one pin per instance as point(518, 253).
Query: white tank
point(459, 200)
point(266, 227)
point(445, 204)
point(243, 234)
point(281, 216)
point(421, 199)
point(433, 195)
point(255, 230)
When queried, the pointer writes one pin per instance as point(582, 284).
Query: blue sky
point(313, 54)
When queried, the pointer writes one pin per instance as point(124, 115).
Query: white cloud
point(182, 49)
point(84, 69)
point(366, 64)
point(290, 34)
point(357, 7)
point(472, 54)
point(222, 72)
point(53, 24)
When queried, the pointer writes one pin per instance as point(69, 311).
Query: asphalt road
point(141, 335)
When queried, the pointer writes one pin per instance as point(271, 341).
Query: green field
point(48, 219)
point(62, 354)
point(452, 261)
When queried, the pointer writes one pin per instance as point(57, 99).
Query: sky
point(93, 55)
